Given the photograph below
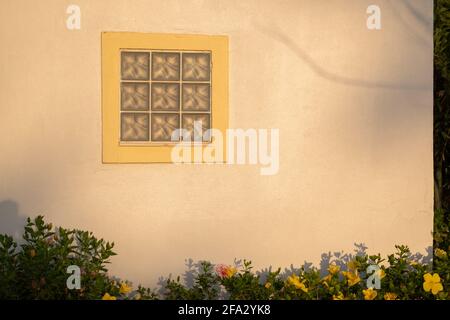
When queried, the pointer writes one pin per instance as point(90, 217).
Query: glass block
point(134, 96)
point(197, 131)
point(135, 65)
point(165, 96)
point(165, 66)
point(196, 97)
point(196, 66)
point(163, 126)
point(134, 127)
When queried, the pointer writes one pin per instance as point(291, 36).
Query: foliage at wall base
point(37, 269)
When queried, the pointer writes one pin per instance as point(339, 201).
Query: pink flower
point(224, 271)
point(221, 270)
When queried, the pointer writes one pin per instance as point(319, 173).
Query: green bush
point(402, 277)
point(37, 269)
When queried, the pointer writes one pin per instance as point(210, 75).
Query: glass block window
point(161, 91)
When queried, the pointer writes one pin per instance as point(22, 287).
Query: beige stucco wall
point(354, 108)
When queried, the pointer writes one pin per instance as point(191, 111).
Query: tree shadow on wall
point(421, 20)
point(341, 259)
point(193, 269)
point(11, 222)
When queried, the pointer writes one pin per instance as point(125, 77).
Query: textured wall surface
point(354, 108)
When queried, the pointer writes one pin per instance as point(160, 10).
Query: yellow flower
point(295, 281)
point(124, 288)
point(433, 283)
point(267, 285)
point(339, 296)
point(390, 296)
point(352, 265)
point(352, 277)
point(108, 297)
point(333, 269)
point(440, 253)
point(369, 294)
point(381, 274)
point(231, 271)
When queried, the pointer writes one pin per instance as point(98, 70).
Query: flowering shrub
point(401, 277)
point(37, 269)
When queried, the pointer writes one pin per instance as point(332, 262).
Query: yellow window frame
point(112, 43)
